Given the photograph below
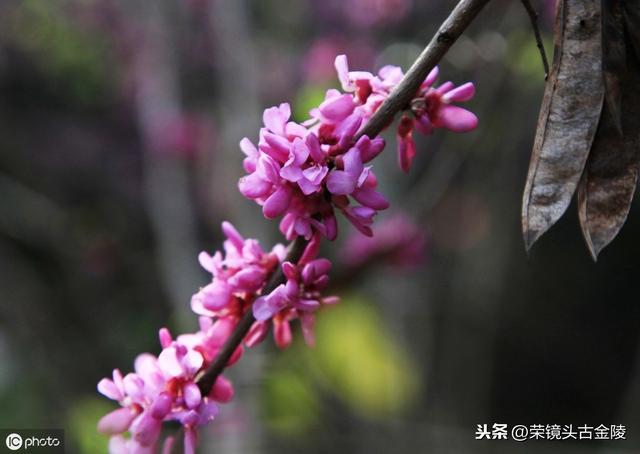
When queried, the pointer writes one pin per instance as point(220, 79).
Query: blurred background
point(119, 130)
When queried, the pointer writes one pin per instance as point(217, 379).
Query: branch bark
point(533, 17)
point(463, 14)
point(459, 19)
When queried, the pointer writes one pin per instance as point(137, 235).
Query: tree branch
point(451, 29)
point(447, 34)
point(533, 17)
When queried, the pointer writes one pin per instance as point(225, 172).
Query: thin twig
point(450, 30)
point(447, 34)
point(533, 17)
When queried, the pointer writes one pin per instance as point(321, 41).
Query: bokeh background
point(119, 125)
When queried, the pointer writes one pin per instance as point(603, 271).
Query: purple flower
point(431, 107)
point(299, 298)
point(307, 175)
point(242, 271)
point(164, 388)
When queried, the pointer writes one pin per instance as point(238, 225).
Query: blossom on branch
point(304, 173)
point(430, 108)
point(237, 276)
point(300, 297)
point(164, 388)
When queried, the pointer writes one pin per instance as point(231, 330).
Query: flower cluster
point(236, 276)
point(305, 173)
point(299, 298)
point(164, 388)
point(431, 107)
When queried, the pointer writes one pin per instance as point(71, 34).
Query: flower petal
point(406, 151)
point(145, 429)
point(216, 295)
point(340, 182)
point(108, 389)
point(116, 422)
point(277, 203)
point(233, 235)
point(275, 146)
point(282, 333)
point(315, 174)
point(371, 198)
point(338, 108)
point(275, 118)
point(342, 68)
point(431, 77)
point(457, 119)
point(253, 186)
point(248, 148)
point(256, 334)
point(191, 394)
point(249, 279)
point(266, 307)
point(222, 390)
point(161, 405)
point(315, 151)
point(460, 94)
point(353, 163)
point(308, 187)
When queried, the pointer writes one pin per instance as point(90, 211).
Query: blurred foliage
point(18, 404)
point(523, 55)
point(81, 426)
point(89, 294)
point(290, 401)
point(77, 61)
point(307, 98)
point(355, 359)
point(360, 361)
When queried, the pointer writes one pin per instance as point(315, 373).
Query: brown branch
point(533, 17)
point(448, 33)
point(208, 378)
point(451, 29)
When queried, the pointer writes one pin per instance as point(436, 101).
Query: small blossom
point(295, 170)
point(431, 107)
point(303, 173)
point(242, 271)
point(299, 298)
point(164, 388)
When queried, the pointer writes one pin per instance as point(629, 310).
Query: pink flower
point(241, 272)
point(164, 389)
point(431, 107)
point(293, 173)
point(299, 298)
point(308, 176)
point(303, 173)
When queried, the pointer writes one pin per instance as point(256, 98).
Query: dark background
point(119, 124)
